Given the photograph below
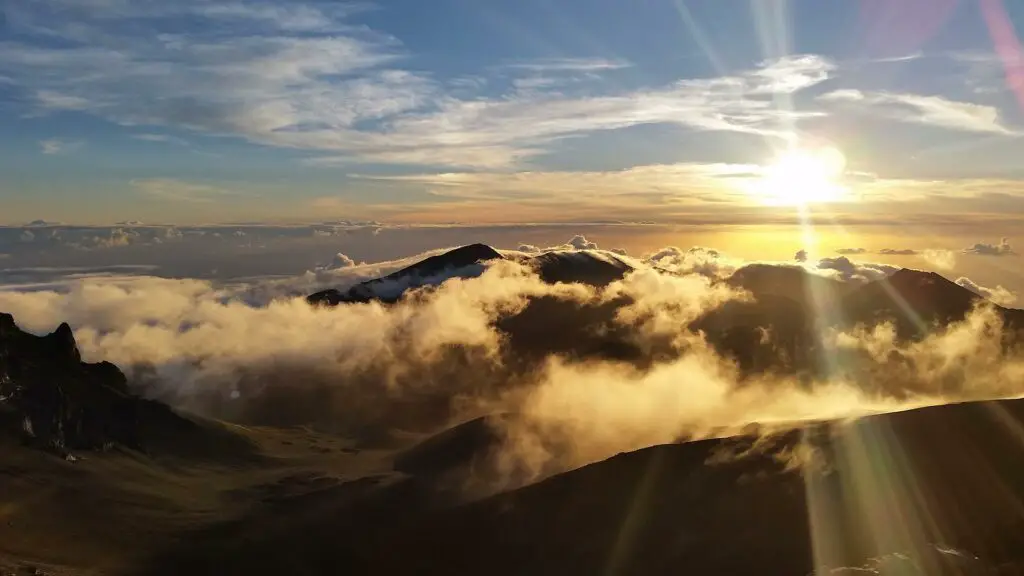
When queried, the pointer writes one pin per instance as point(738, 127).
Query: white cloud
point(57, 146)
point(791, 74)
point(342, 261)
point(696, 260)
point(56, 101)
point(924, 109)
point(850, 271)
point(149, 137)
point(579, 242)
point(118, 237)
point(997, 295)
point(291, 18)
point(941, 259)
point(983, 249)
point(570, 65)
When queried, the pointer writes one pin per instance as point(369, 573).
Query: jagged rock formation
point(50, 398)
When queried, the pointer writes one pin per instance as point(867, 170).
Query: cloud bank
point(253, 352)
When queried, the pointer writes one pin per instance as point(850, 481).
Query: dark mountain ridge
point(795, 307)
point(51, 399)
point(918, 301)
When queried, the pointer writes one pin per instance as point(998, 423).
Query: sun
point(799, 177)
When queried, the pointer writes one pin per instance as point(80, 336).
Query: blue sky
point(501, 111)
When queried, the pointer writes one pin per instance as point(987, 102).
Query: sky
point(506, 111)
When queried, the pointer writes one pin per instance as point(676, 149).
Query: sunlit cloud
point(998, 295)
point(983, 249)
point(569, 65)
point(683, 182)
point(935, 111)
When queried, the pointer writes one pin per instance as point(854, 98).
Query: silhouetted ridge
point(913, 299)
point(453, 449)
point(50, 397)
point(457, 258)
point(585, 266)
point(792, 282)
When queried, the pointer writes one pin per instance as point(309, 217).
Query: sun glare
point(799, 177)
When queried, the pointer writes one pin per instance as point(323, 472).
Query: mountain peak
point(456, 258)
point(911, 275)
point(461, 261)
point(926, 284)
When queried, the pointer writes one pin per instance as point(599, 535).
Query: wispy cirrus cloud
point(569, 65)
point(51, 100)
point(301, 75)
point(166, 138)
point(685, 183)
point(58, 146)
point(515, 128)
point(986, 72)
point(180, 191)
point(935, 111)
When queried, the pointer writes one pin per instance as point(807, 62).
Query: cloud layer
point(253, 353)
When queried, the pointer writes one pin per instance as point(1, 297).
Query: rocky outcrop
point(52, 399)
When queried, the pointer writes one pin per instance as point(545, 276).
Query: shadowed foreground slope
point(940, 487)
